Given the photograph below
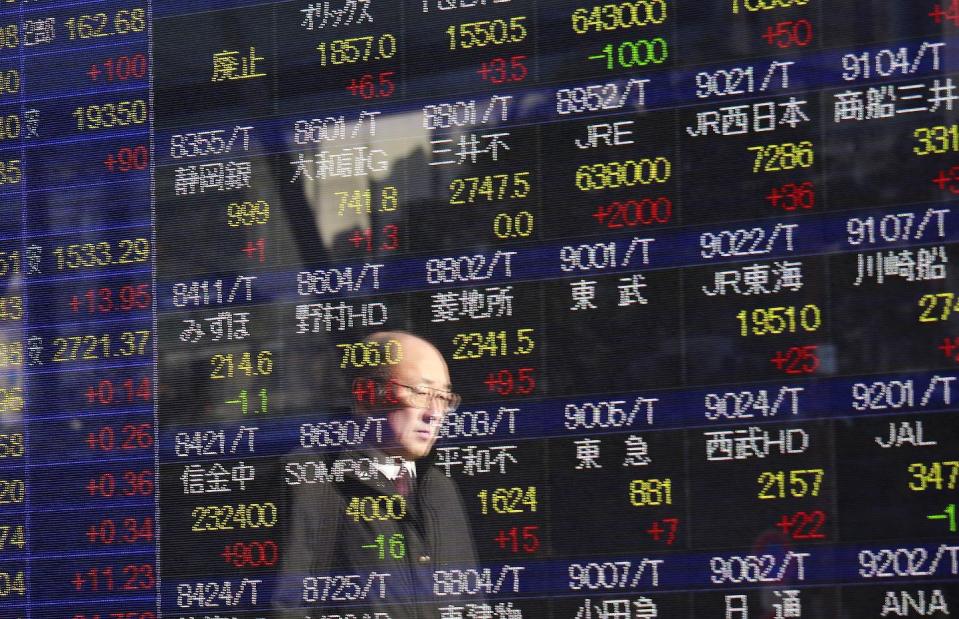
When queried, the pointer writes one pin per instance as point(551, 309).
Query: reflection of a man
point(393, 512)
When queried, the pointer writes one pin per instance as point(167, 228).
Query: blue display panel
point(478, 309)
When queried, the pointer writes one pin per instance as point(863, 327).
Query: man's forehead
point(421, 363)
point(423, 369)
point(422, 372)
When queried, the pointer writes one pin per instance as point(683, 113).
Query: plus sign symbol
point(949, 347)
point(94, 72)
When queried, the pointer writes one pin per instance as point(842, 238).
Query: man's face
point(413, 429)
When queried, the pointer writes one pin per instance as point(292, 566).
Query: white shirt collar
point(391, 469)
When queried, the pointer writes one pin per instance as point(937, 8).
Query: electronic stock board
point(687, 265)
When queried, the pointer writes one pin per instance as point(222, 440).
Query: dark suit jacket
point(322, 540)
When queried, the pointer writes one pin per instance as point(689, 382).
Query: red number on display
point(632, 213)
point(371, 86)
point(792, 196)
point(131, 483)
point(788, 33)
point(502, 70)
point(796, 360)
point(368, 391)
point(129, 530)
point(255, 249)
point(251, 554)
point(947, 180)
point(364, 239)
point(121, 68)
point(139, 577)
point(127, 298)
point(133, 577)
point(803, 525)
point(132, 436)
point(508, 382)
point(519, 539)
point(106, 392)
point(664, 530)
point(128, 159)
point(949, 12)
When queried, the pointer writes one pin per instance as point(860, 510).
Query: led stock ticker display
point(479, 309)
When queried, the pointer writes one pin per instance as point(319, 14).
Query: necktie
point(403, 482)
point(405, 485)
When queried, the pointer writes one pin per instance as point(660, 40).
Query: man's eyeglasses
point(420, 396)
